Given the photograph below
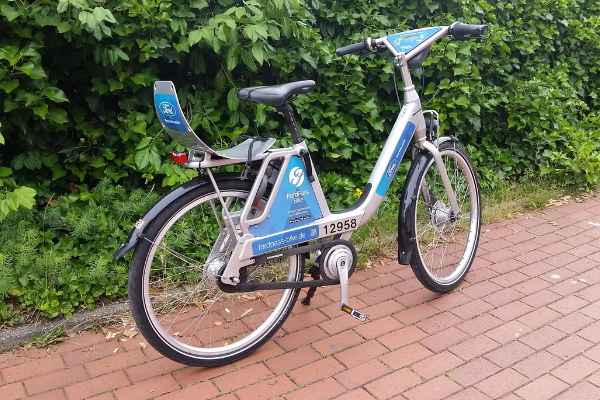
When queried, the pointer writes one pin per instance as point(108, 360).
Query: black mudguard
point(142, 223)
point(408, 201)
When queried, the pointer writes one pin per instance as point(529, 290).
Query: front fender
point(408, 201)
point(142, 223)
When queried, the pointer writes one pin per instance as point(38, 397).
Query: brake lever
point(379, 49)
point(478, 37)
point(367, 53)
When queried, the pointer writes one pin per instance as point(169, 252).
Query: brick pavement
point(525, 324)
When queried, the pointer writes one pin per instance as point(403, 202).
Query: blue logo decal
point(285, 239)
point(296, 176)
point(295, 203)
point(167, 108)
point(406, 42)
point(386, 180)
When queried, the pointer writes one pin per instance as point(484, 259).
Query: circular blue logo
point(167, 109)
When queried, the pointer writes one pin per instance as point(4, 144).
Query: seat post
point(286, 110)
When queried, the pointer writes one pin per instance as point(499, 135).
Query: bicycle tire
point(430, 215)
point(229, 331)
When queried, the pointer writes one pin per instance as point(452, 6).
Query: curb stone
point(14, 337)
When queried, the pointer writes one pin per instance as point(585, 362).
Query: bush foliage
point(76, 90)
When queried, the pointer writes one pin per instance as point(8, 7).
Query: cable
point(396, 87)
point(439, 80)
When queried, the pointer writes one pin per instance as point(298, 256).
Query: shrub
point(76, 90)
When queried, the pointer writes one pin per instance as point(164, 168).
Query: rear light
point(178, 157)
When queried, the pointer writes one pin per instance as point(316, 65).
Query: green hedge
point(76, 96)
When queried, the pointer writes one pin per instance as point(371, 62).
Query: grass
point(378, 238)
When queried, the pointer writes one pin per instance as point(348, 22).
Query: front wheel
point(172, 291)
point(444, 245)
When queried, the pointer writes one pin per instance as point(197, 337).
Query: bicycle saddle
point(275, 95)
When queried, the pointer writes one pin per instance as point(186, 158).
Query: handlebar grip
point(458, 30)
point(352, 48)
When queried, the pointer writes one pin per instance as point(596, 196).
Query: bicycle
point(219, 261)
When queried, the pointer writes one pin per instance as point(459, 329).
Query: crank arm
point(342, 268)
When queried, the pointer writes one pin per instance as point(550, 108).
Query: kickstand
point(316, 275)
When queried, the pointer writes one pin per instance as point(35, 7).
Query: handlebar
point(460, 31)
point(352, 48)
point(457, 30)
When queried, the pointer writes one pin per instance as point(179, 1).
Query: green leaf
point(232, 100)
point(4, 172)
point(22, 198)
point(115, 85)
point(47, 20)
point(64, 26)
point(108, 16)
point(92, 23)
point(155, 160)
point(462, 100)
point(142, 158)
point(26, 67)
point(250, 33)
point(10, 12)
point(451, 53)
point(430, 89)
point(108, 154)
point(231, 58)
point(50, 159)
point(248, 60)
point(34, 71)
point(55, 95)
point(114, 174)
point(144, 143)
point(220, 80)
point(261, 30)
point(41, 110)
point(98, 162)
point(58, 115)
point(121, 54)
point(58, 171)
point(99, 13)
point(199, 4)
point(81, 4)
point(257, 52)
point(62, 6)
point(9, 86)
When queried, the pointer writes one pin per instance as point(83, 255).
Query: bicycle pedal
point(355, 313)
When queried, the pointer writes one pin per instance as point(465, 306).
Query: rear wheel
point(174, 299)
point(444, 245)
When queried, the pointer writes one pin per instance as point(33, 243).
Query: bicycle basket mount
point(176, 125)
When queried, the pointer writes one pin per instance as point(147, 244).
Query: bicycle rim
point(181, 302)
point(445, 247)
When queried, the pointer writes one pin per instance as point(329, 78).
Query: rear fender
point(142, 223)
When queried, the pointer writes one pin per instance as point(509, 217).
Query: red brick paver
point(524, 325)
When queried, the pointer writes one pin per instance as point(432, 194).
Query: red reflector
point(178, 157)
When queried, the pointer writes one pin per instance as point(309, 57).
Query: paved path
point(524, 325)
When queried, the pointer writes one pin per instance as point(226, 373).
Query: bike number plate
point(341, 226)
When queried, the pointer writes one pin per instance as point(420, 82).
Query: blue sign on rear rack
point(405, 42)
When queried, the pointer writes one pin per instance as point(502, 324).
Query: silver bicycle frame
point(410, 123)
